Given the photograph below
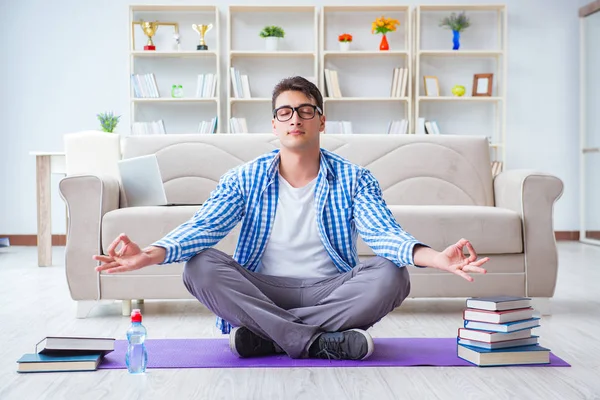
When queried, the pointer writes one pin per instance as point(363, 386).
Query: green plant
point(455, 22)
point(272, 31)
point(108, 121)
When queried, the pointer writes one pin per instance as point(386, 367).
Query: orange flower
point(384, 25)
point(345, 37)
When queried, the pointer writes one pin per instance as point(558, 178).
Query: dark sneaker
point(353, 344)
point(245, 343)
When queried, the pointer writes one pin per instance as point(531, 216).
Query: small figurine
point(177, 45)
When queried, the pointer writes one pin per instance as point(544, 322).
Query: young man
point(295, 283)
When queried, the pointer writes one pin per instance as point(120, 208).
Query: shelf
point(349, 99)
point(172, 8)
point(464, 7)
point(365, 8)
point(278, 53)
point(461, 53)
point(464, 98)
point(272, 8)
point(177, 54)
point(250, 100)
point(358, 53)
point(174, 100)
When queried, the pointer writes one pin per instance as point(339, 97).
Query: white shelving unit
point(365, 73)
point(482, 50)
point(246, 52)
point(175, 66)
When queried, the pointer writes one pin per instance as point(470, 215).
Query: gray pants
point(293, 312)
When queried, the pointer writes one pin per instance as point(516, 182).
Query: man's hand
point(452, 259)
point(129, 258)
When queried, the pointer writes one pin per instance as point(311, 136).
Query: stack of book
point(56, 354)
point(498, 331)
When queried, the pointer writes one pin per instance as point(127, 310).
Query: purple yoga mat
point(215, 353)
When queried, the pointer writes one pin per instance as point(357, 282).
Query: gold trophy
point(202, 29)
point(149, 29)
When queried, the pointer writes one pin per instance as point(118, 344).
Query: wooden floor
point(35, 302)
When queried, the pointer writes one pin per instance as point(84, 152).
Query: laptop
point(142, 182)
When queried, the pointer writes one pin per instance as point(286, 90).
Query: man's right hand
point(129, 258)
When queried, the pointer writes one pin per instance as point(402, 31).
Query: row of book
point(144, 86)
point(238, 125)
point(240, 84)
point(207, 86)
point(148, 128)
point(425, 127)
point(499, 331)
point(399, 82)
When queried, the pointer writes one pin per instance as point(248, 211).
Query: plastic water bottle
point(136, 357)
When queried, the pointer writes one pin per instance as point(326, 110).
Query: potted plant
point(457, 23)
point(345, 39)
point(384, 25)
point(108, 121)
point(272, 35)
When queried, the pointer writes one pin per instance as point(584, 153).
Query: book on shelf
point(498, 331)
point(238, 125)
point(208, 126)
point(144, 86)
point(207, 86)
point(399, 82)
point(338, 127)
point(63, 354)
point(425, 127)
point(332, 83)
point(396, 127)
point(240, 83)
point(148, 128)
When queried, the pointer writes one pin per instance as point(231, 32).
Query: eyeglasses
point(305, 111)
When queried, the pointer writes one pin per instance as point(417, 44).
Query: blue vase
point(456, 40)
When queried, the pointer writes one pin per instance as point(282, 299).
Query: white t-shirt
point(294, 248)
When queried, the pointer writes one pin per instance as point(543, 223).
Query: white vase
point(272, 43)
point(344, 46)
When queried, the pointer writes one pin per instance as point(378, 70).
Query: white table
point(47, 163)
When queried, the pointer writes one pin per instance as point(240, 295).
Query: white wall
point(66, 60)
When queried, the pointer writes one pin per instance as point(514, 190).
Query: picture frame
point(431, 85)
point(482, 84)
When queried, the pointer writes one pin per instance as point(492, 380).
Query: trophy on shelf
point(202, 30)
point(149, 29)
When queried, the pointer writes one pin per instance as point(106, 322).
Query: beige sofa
point(439, 187)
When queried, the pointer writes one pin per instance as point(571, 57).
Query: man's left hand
point(453, 259)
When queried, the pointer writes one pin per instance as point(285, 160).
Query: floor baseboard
point(61, 240)
point(31, 240)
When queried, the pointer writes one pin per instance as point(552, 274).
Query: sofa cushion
point(491, 230)
point(145, 225)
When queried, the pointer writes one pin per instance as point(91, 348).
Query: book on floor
point(523, 355)
point(492, 337)
point(505, 327)
point(498, 303)
point(498, 317)
point(46, 363)
point(528, 341)
point(71, 346)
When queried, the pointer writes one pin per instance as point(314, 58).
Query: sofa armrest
point(532, 195)
point(88, 198)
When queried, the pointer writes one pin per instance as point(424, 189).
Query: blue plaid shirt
point(348, 200)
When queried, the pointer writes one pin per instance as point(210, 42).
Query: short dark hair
point(299, 84)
